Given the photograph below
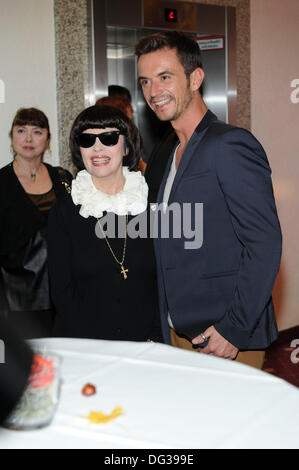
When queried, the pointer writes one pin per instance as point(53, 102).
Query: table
point(172, 399)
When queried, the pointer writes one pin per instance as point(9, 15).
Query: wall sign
point(210, 43)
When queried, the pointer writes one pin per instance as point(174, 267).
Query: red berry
point(88, 390)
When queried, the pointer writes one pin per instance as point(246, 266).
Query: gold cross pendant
point(124, 271)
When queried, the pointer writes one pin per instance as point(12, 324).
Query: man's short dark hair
point(100, 117)
point(187, 49)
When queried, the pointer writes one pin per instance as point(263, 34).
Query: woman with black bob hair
point(103, 277)
point(106, 116)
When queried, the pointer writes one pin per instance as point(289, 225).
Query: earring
point(48, 150)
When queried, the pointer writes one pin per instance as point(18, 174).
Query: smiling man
point(215, 299)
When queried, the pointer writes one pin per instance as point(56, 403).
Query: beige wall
point(275, 122)
point(27, 66)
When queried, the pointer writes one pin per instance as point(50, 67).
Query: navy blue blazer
point(228, 281)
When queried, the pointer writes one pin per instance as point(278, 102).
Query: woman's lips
point(100, 160)
point(28, 147)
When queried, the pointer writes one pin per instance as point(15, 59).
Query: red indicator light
point(170, 15)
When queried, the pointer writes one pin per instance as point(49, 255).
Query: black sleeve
point(62, 286)
point(15, 363)
point(65, 177)
point(68, 176)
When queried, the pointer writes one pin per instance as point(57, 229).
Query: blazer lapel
point(191, 149)
point(165, 176)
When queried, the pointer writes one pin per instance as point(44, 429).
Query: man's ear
point(196, 78)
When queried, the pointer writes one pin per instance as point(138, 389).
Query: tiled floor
point(282, 358)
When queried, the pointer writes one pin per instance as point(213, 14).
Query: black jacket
point(91, 297)
point(227, 279)
point(23, 249)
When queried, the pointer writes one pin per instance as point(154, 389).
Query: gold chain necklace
point(121, 263)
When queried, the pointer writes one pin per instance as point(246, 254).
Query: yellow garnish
point(100, 417)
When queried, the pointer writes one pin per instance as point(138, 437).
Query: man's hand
point(217, 345)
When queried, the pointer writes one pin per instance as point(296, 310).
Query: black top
point(23, 250)
point(91, 296)
point(157, 163)
point(14, 372)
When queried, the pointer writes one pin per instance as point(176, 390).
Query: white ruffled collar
point(132, 199)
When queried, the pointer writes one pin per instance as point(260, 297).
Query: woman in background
point(28, 190)
point(124, 105)
point(103, 286)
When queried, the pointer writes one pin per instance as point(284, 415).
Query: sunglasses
point(106, 138)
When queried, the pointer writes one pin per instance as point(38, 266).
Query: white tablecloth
point(171, 399)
